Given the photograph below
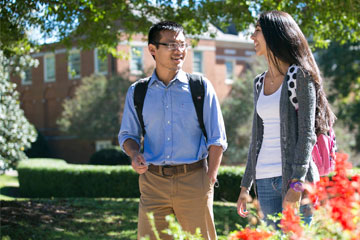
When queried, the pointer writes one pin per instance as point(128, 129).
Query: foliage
point(237, 110)
point(16, 133)
point(336, 204)
point(110, 156)
point(337, 211)
point(94, 111)
point(51, 178)
point(340, 65)
point(39, 148)
point(46, 178)
point(96, 23)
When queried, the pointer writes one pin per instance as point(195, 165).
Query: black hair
point(155, 31)
point(286, 42)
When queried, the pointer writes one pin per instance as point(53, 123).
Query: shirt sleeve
point(213, 119)
point(130, 125)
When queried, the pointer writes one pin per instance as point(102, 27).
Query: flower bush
point(336, 202)
point(336, 215)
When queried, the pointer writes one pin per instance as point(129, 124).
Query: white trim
point(204, 48)
point(134, 43)
point(73, 51)
point(46, 56)
point(96, 63)
point(237, 58)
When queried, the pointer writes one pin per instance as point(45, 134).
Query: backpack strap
point(197, 89)
point(140, 90)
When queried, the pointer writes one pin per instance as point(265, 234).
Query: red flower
point(250, 234)
point(338, 195)
point(290, 223)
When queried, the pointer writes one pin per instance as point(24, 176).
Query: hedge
point(55, 178)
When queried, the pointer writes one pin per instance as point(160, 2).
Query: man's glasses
point(174, 46)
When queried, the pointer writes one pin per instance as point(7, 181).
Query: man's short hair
point(154, 33)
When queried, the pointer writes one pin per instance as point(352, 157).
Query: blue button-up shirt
point(173, 134)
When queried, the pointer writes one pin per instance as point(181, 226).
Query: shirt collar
point(181, 76)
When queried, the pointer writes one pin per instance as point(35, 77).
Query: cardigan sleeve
point(306, 96)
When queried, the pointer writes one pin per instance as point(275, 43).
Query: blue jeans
point(270, 199)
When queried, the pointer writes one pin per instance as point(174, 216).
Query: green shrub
point(47, 178)
point(56, 178)
point(110, 156)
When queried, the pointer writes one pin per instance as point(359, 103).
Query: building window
point(49, 68)
point(136, 63)
point(229, 71)
point(197, 62)
point(101, 63)
point(74, 64)
point(26, 77)
point(102, 144)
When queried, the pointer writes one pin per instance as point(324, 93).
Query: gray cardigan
point(297, 132)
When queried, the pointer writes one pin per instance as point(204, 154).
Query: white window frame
point(26, 79)
point(46, 78)
point(201, 62)
point(141, 57)
point(97, 63)
point(102, 144)
point(69, 66)
point(227, 79)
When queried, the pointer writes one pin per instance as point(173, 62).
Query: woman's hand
point(244, 197)
point(292, 198)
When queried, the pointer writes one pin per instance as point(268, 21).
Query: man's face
point(169, 57)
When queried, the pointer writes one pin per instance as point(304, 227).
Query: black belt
point(170, 170)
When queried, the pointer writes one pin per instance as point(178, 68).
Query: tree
point(16, 133)
point(340, 65)
point(94, 111)
point(237, 110)
point(98, 23)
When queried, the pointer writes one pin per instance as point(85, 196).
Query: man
point(175, 177)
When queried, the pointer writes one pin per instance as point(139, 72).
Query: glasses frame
point(175, 46)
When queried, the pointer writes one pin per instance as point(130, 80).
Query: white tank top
point(269, 159)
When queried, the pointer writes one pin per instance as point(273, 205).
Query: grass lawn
point(82, 218)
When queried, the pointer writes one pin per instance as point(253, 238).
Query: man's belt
point(170, 170)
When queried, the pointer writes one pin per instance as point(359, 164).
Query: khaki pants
point(188, 196)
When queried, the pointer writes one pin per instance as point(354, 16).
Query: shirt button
point(167, 106)
point(168, 122)
point(167, 156)
point(168, 139)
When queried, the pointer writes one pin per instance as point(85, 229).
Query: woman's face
point(259, 41)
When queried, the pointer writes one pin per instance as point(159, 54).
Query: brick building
point(44, 88)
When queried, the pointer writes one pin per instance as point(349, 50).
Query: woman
point(279, 158)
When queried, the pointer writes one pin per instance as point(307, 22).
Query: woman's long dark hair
point(288, 44)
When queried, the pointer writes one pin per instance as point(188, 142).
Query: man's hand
point(138, 162)
point(212, 177)
point(292, 198)
point(244, 197)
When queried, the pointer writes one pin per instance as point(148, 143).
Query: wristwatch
point(297, 186)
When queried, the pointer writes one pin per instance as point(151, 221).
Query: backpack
point(197, 90)
point(323, 153)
